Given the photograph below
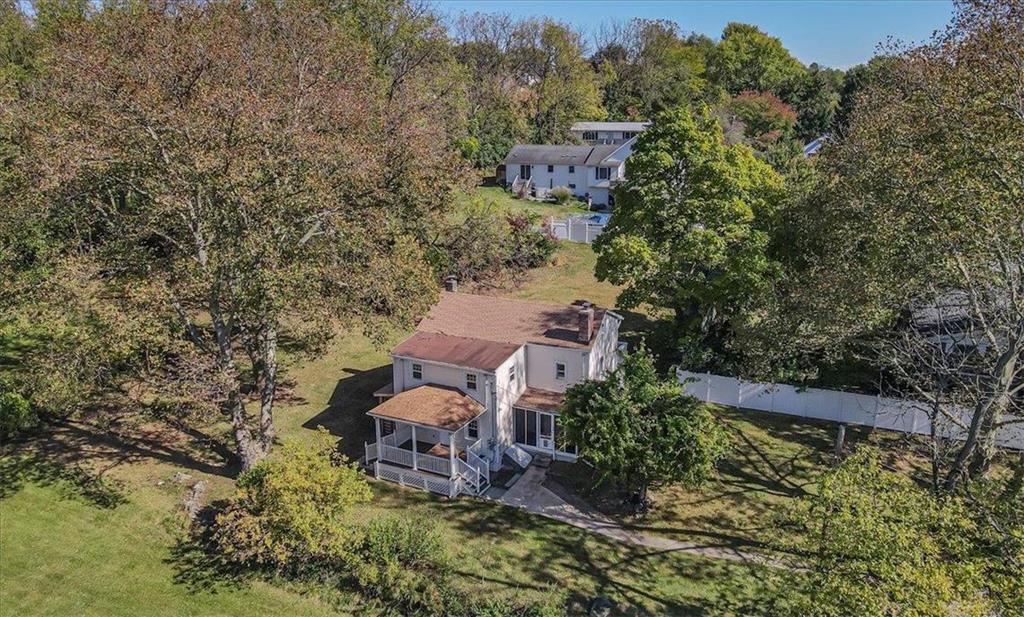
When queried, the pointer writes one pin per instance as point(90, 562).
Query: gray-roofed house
point(482, 378)
point(588, 171)
point(607, 132)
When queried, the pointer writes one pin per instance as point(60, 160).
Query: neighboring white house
point(483, 377)
point(586, 170)
point(607, 132)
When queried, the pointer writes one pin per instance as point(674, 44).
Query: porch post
point(415, 450)
point(380, 440)
point(451, 453)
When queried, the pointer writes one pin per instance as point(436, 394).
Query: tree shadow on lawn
point(558, 556)
point(78, 454)
point(774, 459)
point(345, 414)
point(198, 565)
point(73, 482)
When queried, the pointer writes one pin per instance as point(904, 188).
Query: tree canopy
point(909, 248)
point(640, 430)
point(214, 171)
point(691, 229)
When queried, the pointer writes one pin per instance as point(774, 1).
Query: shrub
point(15, 414)
point(289, 511)
point(525, 246)
point(404, 563)
point(487, 244)
point(561, 194)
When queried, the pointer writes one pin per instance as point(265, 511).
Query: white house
point(591, 170)
point(607, 132)
point(483, 377)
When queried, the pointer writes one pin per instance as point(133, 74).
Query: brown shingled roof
point(448, 409)
point(457, 350)
point(504, 320)
point(540, 400)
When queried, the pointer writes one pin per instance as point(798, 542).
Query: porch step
point(542, 460)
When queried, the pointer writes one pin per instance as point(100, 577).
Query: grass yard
point(503, 200)
point(773, 460)
point(96, 529)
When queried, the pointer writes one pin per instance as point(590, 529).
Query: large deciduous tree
point(639, 430)
point(646, 67)
point(691, 230)
point(228, 167)
point(911, 248)
point(566, 89)
point(748, 59)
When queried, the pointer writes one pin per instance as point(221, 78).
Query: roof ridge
point(520, 300)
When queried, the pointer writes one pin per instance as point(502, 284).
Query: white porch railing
point(408, 477)
point(434, 464)
point(395, 454)
point(371, 451)
point(479, 465)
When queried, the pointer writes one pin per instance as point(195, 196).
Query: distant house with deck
point(588, 171)
point(483, 378)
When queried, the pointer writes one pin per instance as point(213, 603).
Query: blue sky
point(840, 33)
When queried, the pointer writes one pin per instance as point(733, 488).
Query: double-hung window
point(512, 373)
point(473, 430)
point(551, 169)
point(572, 169)
point(470, 381)
point(417, 371)
point(603, 173)
point(559, 370)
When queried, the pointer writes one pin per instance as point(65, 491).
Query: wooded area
point(201, 197)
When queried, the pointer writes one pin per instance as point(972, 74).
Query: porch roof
point(442, 407)
point(540, 400)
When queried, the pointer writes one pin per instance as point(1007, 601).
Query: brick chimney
point(586, 322)
point(451, 283)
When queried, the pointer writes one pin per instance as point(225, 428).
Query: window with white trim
point(590, 135)
point(512, 373)
point(473, 429)
point(603, 173)
point(417, 371)
point(470, 381)
point(559, 370)
point(572, 169)
point(551, 169)
point(386, 427)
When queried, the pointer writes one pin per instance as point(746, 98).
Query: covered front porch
point(427, 437)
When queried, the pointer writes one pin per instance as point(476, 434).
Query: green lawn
point(504, 200)
point(72, 544)
point(773, 459)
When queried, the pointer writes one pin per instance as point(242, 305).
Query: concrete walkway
point(530, 494)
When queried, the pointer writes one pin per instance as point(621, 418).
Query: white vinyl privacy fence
point(578, 228)
point(906, 416)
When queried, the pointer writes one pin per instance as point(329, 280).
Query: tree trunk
point(987, 413)
point(269, 369)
